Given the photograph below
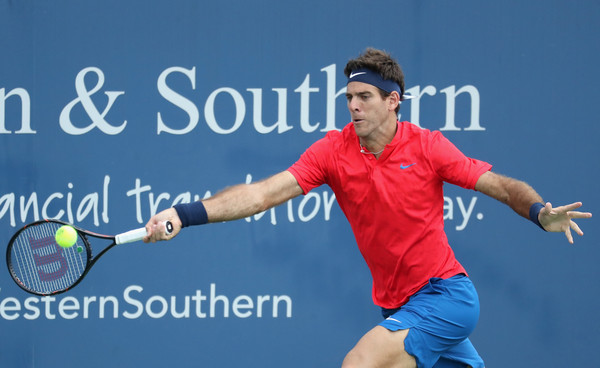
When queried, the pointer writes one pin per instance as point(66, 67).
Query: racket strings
point(41, 265)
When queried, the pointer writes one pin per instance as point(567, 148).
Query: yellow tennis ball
point(66, 236)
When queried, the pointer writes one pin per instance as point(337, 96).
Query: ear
point(393, 100)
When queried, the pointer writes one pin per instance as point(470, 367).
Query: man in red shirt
point(387, 177)
point(394, 201)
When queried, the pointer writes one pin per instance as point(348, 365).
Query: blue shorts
point(440, 317)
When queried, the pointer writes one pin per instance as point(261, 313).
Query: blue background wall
point(197, 67)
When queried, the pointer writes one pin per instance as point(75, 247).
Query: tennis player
point(387, 177)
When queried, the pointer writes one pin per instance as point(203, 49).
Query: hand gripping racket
point(40, 266)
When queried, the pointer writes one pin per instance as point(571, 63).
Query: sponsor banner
point(112, 111)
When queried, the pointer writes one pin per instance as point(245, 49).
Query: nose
point(353, 104)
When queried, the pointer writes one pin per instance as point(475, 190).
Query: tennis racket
point(40, 266)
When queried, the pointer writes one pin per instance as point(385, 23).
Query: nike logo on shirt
point(402, 166)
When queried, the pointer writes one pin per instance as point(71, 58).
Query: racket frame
point(130, 236)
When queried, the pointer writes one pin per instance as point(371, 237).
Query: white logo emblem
point(352, 75)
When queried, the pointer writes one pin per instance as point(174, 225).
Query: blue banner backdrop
point(113, 110)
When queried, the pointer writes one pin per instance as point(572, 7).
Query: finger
point(568, 207)
point(153, 229)
point(575, 227)
point(155, 233)
point(577, 214)
point(147, 238)
point(569, 236)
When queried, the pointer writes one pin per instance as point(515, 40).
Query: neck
point(375, 143)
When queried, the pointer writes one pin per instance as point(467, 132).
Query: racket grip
point(138, 234)
point(131, 236)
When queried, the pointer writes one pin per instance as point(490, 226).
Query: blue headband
point(375, 79)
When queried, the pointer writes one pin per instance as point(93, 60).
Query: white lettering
point(448, 209)
point(86, 306)
point(153, 306)
point(304, 90)
point(199, 298)
point(451, 94)
point(315, 210)
point(209, 111)
point(465, 212)
point(332, 95)
point(115, 305)
point(32, 202)
point(10, 305)
point(186, 310)
point(260, 301)
point(281, 124)
point(48, 300)
point(25, 111)
point(88, 205)
point(218, 298)
point(47, 203)
point(84, 97)
point(288, 305)
point(328, 204)
point(177, 100)
point(164, 306)
point(105, 199)
point(242, 302)
point(29, 305)
point(7, 202)
point(415, 103)
point(134, 302)
point(67, 304)
point(137, 191)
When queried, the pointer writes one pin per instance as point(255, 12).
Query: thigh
point(380, 347)
point(439, 317)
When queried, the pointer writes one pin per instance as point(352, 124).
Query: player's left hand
point(560, 219)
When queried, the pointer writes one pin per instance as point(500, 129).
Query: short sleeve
point(452, 165)
point(311, 169)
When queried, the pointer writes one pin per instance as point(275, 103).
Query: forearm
point(234, 203)
point(521, 196)
point(517, 194)
point(245, 200)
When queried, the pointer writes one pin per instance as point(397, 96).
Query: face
point(371, 114)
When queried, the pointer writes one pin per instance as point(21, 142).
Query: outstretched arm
point(244, 200)
point(520, 196)
point(232, 203)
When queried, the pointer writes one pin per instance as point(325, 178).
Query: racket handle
point(131, 236)
point(138, 234)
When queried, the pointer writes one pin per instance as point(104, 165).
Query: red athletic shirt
point(394, 204)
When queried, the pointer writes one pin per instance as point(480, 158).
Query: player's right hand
point(155, 228)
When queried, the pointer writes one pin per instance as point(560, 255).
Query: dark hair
point(382, 63)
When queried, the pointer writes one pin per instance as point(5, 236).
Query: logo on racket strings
point(49, 259)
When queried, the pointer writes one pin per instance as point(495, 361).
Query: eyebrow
point(361, 93)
